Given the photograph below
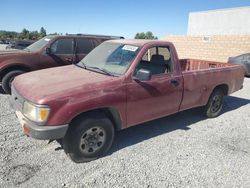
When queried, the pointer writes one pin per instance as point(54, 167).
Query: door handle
point(174, 82)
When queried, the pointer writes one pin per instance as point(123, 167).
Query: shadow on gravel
point(182, 120)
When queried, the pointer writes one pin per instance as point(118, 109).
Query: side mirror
point(48, 51)
point(142, 75)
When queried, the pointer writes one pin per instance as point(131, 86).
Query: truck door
point(62, 51)
point(158, 97)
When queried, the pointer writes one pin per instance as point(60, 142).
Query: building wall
point(233, 21)
point(215, 35)
point(215, 48)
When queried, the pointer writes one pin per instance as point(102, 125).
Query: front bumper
point(41, 132)
point(32, 129)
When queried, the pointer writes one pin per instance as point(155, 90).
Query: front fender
point(9, 65)
point(12, 63)
point(64, 111)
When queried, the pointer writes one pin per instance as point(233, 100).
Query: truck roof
point(89, 36)
point(140, 42)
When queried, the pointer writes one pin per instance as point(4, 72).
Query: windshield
point(38, 45)
point(112, 58)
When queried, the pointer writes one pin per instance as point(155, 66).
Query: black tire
point(77, 142)
point(215, 104)
point(8, 78)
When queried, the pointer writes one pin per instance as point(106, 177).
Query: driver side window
point(157, 60)
point(62, 46)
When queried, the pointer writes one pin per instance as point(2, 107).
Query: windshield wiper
point(83, 64)
point(100, 69)
point(95, 68)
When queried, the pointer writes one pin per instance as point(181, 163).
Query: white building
point(232, 21)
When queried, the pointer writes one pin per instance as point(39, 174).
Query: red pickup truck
point(121, 83)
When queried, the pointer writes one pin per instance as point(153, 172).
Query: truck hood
point(54, 83)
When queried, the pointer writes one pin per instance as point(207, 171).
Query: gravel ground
point(182, 150)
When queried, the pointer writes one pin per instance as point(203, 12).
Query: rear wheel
point(215, 104)
point(89, 137)
point(8, 78)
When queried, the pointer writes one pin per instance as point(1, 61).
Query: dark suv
point(50, 51)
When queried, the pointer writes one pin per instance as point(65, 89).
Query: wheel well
point(111, 113)
point(12, 68)
point(223, 87)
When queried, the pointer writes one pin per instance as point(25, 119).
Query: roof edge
point(222, 9)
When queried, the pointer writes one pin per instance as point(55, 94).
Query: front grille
point(17, 99)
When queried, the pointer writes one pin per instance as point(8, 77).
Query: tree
point(140, 35)
point(4, 35)
point(147, 35)
point(42, 33)
point(24, 34)
point(33, 35)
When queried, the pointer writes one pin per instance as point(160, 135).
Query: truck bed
point(201, 76)
point(194, 64)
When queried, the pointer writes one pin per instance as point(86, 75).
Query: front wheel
point(89, 137)
point(8, 78)
point(215, 104)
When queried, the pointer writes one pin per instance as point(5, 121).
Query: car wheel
point(89, 137)
point(215, 104)
point(8, 78)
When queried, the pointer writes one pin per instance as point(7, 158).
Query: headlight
point(35, 113)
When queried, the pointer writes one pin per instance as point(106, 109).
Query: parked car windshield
point(110, 58)
point(38, 45)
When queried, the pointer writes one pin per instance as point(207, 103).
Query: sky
point(108, 17)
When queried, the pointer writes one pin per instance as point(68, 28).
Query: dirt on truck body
point(121, 83)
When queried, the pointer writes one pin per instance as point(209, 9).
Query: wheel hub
point(216, 103)
point(92, 140)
